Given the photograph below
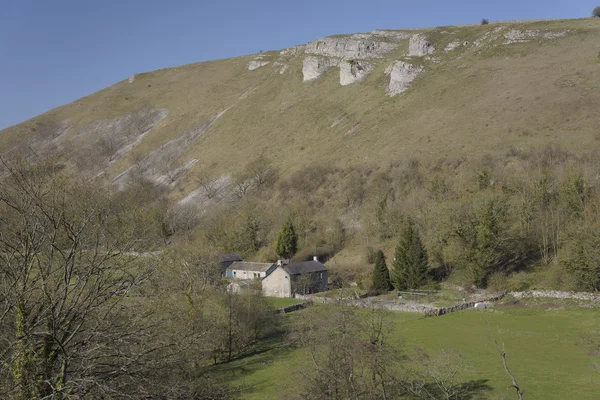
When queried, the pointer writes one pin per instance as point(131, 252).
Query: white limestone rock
point(314, 67)
point(292, 51)
point(256, 64)
point(455, 45)
point(353, 71)
point(402, 74)
point(351, 47)
point(488, 36)
point(419, 45)
point(519, 36)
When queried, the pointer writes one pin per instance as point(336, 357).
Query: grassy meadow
point(542, 339)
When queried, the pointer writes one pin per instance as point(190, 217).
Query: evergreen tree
point(287, 241)
point(381, 274)
point(410, 265)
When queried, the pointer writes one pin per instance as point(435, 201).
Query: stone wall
point(293, 308)
point(395, 306)
point(553, 294)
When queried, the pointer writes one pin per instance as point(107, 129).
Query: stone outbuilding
point(249, 270)
point(287, 280)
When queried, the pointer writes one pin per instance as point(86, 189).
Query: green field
point(542, 344)
point(282, 303)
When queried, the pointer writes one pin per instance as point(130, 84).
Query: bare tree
point(262, 171)
point(208, 183)
point(66, 277)
point(242, 183)
point(440, 376)
point(501, 348)
point(349, 356)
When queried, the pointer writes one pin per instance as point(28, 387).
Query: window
point(234, 273)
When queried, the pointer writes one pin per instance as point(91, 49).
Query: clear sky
point(53, 52)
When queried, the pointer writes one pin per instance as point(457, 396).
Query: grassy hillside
point(476, 99)
point(497, 135)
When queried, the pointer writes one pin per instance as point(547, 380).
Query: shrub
point(485, 21)
point(596, 12)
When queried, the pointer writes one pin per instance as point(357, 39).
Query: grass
point(282, 303)
point(542, 348)
point(483, 99)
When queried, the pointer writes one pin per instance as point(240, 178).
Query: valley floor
point(543, 340)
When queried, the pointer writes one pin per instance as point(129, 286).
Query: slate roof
point(304, 267)
point(230, 257)
point(249, 266)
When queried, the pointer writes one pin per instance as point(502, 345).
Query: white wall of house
point(241, 274)
point(277, 284)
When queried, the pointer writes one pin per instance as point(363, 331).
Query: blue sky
point(54, 52)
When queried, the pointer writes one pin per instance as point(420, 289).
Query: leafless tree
point(66, 278)
point(262, 171)
point(208, 183)
point(501, 348)
point(349, 356)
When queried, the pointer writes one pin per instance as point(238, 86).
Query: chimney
point(315, 258)
point(279, 263)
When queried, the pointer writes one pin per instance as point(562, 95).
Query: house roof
point(304, 267)
point(249, 266)
point(230, 257)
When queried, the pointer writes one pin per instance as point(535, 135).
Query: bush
point(596, 12)
point(485, 21)
point(498, 282)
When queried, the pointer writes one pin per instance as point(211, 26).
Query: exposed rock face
point(353, 71)
point(420, 46)
point(488, 36)
point(255, 64)
point(455, 45)
point(401, 76)
point(356, 46)
point(313, 67)
point(518, 36)
point(292, 51)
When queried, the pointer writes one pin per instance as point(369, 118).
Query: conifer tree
point(381, 274)
point(410, 264)
point(287, 241)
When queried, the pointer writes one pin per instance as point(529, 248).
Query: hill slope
point(481, 89)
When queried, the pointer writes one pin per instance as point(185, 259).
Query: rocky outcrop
point(455, 45)
point(419, 45)
point(488, 36)
point(351, 47)
point(292, 51)
point(402, 74)
point(519, 36)
point(353, 71)
point(314, 67)
point(255, 64)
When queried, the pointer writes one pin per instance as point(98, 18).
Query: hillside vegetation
point(483, 136)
